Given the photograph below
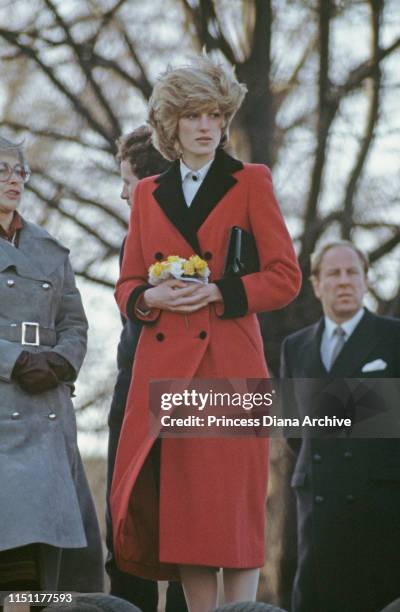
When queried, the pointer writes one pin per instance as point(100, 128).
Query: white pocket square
point(373, 366)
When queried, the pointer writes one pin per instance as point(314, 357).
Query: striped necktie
point(340, 335)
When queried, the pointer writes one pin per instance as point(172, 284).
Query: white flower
point(175, 268)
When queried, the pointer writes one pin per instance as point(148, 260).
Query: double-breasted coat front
point(44, 493)
point(347, 488)
point(206, 505)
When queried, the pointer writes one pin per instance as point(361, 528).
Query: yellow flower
point(156, 269)
point(177, 267)
point(198, 263)
point(188, 268)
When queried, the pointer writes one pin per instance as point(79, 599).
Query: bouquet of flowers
point(193, 269)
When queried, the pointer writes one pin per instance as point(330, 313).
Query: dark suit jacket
point(347, 489)
point(125, 354)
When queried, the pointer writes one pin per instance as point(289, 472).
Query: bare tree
point(76, 80)
point(321, 110)
point(87, 71)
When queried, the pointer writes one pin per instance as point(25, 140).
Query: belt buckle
point(24, 341)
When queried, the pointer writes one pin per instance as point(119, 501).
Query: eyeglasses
point(21, 171)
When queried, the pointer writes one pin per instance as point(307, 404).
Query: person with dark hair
point(185, 506)
point(46, 510)
point(138, 159)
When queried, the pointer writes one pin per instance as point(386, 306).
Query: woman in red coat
point(183, 507)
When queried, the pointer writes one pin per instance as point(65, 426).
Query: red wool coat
point(205, 503)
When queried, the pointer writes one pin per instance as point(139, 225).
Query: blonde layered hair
point(199, 86)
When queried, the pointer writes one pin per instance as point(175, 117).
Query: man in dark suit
point(347, 489)
point(138, 159)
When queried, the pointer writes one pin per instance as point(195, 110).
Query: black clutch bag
point(242, 256)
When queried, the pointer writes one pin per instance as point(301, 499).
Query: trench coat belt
point(28, 333)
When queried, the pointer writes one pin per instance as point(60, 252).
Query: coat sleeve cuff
point(132, 312)
point(234, 296)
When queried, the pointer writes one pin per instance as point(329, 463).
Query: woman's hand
point(178, 296)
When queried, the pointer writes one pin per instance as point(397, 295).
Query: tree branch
point(386, 247)
point(373, 112)
point(95, 279)
point(326, 112)
point(282, 92)
point(106, 18)
point(56, 204)
point(371, 225)
point(80, 51)
point(193, 16)
point(46, 133)
point(143, 82)
point(220, 42)
point(13, 38)
point(201, 16)
point(363, 71)
point(99, 396)
point(103, 62)
point(70, 193)
point(258, 108)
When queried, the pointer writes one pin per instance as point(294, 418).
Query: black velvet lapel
point(355, 351)
point(217, 182)
point(170, 197)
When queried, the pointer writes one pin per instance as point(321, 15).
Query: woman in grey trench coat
point(49, 535)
